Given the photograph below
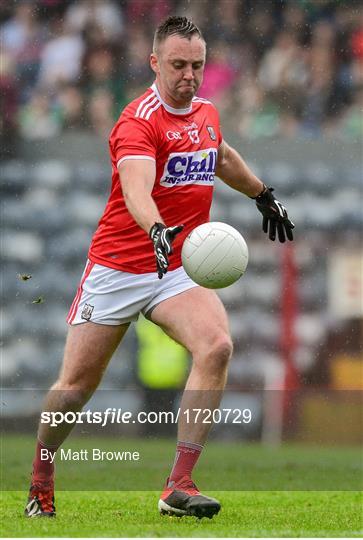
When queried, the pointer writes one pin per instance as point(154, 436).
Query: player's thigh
point(88, 349)
point(195, 318)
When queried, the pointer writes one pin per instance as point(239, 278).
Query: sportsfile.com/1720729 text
point(113, 415)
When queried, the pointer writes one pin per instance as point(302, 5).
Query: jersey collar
point(168, 107)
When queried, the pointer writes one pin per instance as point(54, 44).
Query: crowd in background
point(274, 67)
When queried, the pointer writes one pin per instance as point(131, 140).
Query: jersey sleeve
point(219, 132)
point(133, 138)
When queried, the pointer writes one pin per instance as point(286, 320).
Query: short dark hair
point(180, 26)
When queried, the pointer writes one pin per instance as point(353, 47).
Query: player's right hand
point(162, 238)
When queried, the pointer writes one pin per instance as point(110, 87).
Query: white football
point(214, 255)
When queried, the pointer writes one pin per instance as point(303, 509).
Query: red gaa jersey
point(184, 145)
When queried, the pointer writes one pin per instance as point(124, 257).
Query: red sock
point(186, 457)
point(43, 464)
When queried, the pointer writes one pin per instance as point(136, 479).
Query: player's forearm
point(143, 209)
point(137, 181)
point(232, 169)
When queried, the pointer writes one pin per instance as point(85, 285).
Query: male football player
point(166, 149)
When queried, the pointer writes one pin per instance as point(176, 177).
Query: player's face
point(179, 65)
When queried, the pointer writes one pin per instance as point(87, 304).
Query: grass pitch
point(244, 514)
point(256, 512)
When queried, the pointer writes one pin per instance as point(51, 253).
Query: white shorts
point(108, 296)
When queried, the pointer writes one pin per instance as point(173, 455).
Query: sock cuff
point(48, 446)
point(193, 446)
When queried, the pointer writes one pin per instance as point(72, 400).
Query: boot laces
point(44, 492)
point(187, 484)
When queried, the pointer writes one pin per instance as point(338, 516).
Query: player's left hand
point(162, 238)
point(274, 216)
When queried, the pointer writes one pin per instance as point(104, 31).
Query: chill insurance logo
point(190, 168)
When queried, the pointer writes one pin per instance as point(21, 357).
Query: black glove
point(274, 216)
point(162, 238)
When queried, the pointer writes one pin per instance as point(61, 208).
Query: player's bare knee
point(217, 355)
point(221, 350)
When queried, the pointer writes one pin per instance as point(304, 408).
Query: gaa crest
point(87, 312)
point(211, 133)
